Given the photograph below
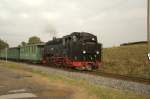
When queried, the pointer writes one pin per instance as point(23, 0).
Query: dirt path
point(24, 85)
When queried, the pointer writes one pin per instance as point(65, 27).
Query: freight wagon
point(10, 53)
point(31, 53)
point(13, 53)
point(3, 53)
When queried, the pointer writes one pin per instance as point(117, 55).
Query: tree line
point(32, 40)
point(3, 44)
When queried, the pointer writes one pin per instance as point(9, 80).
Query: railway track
point(108, 75)
point(122, 77)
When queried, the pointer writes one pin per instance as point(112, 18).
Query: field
point(128, 60)
point(81, 89)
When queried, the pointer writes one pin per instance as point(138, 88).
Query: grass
point(128, 60)
point(83, 88)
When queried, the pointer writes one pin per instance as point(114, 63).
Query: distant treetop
point(34, 40)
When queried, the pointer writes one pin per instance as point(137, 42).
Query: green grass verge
point(100, 91)
point(128, 60)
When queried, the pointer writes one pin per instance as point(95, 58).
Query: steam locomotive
point(78, 50)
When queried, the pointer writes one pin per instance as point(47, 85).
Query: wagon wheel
point(89, 67)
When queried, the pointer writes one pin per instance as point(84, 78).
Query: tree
point(22, 44)
point(34, 40)
point(3, 44)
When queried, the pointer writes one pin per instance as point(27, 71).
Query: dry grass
point(128, 60)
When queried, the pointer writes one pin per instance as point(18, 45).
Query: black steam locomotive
point(78, 50)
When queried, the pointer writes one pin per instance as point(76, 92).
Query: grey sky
point(113, 21)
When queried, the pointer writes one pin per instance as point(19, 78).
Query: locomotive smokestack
point(54, 38)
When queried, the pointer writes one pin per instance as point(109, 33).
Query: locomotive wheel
point(81, 68)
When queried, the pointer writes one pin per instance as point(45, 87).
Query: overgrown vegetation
point(80, 86)
point(128, 60)
point(3, 44)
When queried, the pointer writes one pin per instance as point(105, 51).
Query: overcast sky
point(113, 21)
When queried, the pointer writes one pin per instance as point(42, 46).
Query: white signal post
point(148, 26)
point(6, 53)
